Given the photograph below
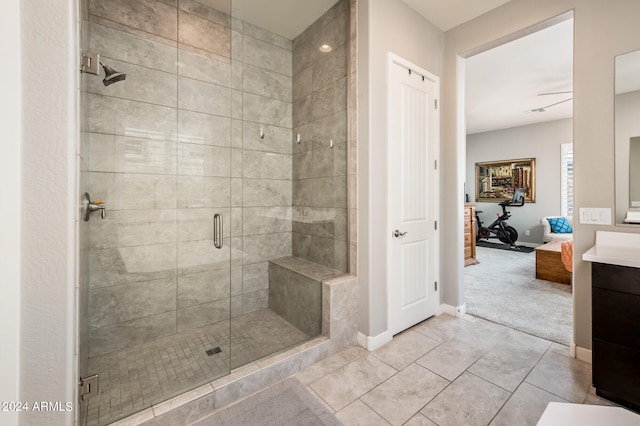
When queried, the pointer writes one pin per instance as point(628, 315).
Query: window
point(566, 179)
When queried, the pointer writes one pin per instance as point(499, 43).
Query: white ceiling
point(447, 14)
point(504, 83)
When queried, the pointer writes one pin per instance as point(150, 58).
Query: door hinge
point(435, 164)
point(89, 62)
point(436, 102)
point(435, 225)
point(88, 387)
point(436, 285)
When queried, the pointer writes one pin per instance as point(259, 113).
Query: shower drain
point(213, 351)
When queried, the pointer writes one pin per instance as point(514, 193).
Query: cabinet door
point(614, 277)
point(616, 317)
point(616, 370)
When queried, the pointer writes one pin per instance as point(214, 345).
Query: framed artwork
point(496, 180)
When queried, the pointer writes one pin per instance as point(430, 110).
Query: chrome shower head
point(111, 75)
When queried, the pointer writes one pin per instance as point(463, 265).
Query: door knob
point(398, 234)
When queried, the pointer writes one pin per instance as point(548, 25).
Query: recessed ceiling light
point(325, 48)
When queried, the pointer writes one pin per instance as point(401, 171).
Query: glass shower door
point(156, 148)
point(222, 152)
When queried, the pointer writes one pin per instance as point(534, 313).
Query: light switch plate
point(595, 216)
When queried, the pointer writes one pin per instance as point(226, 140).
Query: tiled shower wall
point(320, 212)
point(173, 144)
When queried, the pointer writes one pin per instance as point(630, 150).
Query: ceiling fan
point(544, 108)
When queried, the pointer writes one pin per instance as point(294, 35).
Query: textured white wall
point(49, 203)
point(10, 211)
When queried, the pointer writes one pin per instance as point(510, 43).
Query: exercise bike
point(500, 229)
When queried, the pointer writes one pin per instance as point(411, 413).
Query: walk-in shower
point(221, 165)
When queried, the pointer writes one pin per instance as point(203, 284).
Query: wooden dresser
point(470, 234)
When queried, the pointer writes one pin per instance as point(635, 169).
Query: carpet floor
point(502, 288)
point(287, 403)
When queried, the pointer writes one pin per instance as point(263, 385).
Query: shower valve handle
point(89, 207)
point(98, 206)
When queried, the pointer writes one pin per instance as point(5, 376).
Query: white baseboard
point(371, 343)
point(455, 311)
point(580, 353)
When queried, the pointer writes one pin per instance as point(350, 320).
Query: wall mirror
point(627, 138)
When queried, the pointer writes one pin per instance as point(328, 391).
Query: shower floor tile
point(135, 378)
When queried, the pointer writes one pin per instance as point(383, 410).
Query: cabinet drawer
point(615, 372)
point(467, 253)
point(616, 317)
point(467, 226)
point(614, 277)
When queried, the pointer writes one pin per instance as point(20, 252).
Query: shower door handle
point(218, 230)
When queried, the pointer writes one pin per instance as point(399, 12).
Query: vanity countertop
point(615, 248)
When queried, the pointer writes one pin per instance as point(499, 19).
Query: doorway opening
point(518, 106)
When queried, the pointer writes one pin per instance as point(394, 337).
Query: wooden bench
point(549, 263)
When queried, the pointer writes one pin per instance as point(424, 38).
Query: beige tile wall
point(320, 81)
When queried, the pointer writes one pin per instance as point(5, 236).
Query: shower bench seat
point(295, 291)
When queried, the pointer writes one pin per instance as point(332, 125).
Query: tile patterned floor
point(451, 371)
point(135, 378)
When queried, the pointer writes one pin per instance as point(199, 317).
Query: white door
point(412, 257)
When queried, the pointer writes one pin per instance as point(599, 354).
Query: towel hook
point(261, 132)
point(298, 138)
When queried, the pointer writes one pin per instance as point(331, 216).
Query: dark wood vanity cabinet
point(616, 333)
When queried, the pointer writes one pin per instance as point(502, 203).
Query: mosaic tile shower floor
point(137, 377)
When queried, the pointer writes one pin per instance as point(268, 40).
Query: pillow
point(560, 225)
